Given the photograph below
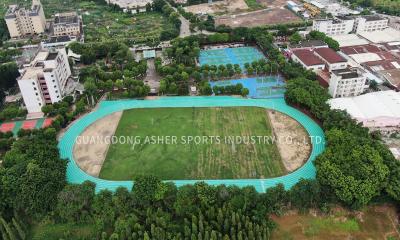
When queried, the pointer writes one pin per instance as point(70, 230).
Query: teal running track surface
point(307, 171)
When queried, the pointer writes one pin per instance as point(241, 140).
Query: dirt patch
point(258, 18)
point(293, 141)
point(92, 150)
point(378, 222)
point(228, 6)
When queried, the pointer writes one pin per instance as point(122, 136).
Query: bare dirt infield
point(295, 146)
point(258, 18)
point(230, 6)
point(90, 156)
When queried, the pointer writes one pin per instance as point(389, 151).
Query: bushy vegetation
point(355, 166)
point(115, 69)
point(332, 43)
point(12, 111)
point(237, 89)
point(158, 210)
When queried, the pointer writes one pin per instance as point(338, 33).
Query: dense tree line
point(237, 89)
point(171, 15)
point(332, 43)
point(12, 111)
point(3, 32)
point(355, 166)
point(31, 175)
point(9, 73)
point(160, 210)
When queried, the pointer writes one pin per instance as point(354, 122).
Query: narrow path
point(185, 27)
point(152, 78)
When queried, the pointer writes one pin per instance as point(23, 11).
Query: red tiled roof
point(330, 55)
point(367, 48)
point(307, 57)
point(385, 64)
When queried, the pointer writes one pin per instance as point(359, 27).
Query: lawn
point(206, 159)
point(46, 231)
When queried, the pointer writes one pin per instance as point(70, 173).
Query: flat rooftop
point(370, 18)
point(309, 44)
point(66, 18)
point(346, 73)
point(370, 105)
point(383, 36)
point(31, 73)
point(349, 40)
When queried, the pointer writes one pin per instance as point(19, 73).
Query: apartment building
point(66, 24)
point(22, 22)
point(44, 81)
point(334, 26)
point(370, 23)
point(346, 25)
point(347, 82)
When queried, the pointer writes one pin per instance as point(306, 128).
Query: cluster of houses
point(44, 69)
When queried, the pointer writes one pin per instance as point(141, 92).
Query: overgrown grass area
point(102, 22)
point(371, 223)
point(46, 231)
point(105, 25)
point(200, 158)
point(387, 4)
point(253, 4)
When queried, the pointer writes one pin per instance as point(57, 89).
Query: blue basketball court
point(259, 87)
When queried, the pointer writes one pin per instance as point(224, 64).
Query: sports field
point(207, 158)
point(240, 55)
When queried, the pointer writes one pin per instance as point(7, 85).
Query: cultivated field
point(101, 22)
point(268, 16)
point(205, 160)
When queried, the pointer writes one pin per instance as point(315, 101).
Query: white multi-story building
point(22, 22)
point(336, 26)
point(44, 81)
point(370, 23)
point(66, 24)
point(347, 82)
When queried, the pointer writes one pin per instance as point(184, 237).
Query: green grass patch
point(253, 4)
point(45, 231)
point(208, 159)
point(316, 226)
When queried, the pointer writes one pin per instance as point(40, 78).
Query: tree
point(352, 168)
point(9, 73)
point(245, 92)
point(75, 202)
point(295, 38)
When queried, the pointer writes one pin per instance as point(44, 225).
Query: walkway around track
point(76, 175)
